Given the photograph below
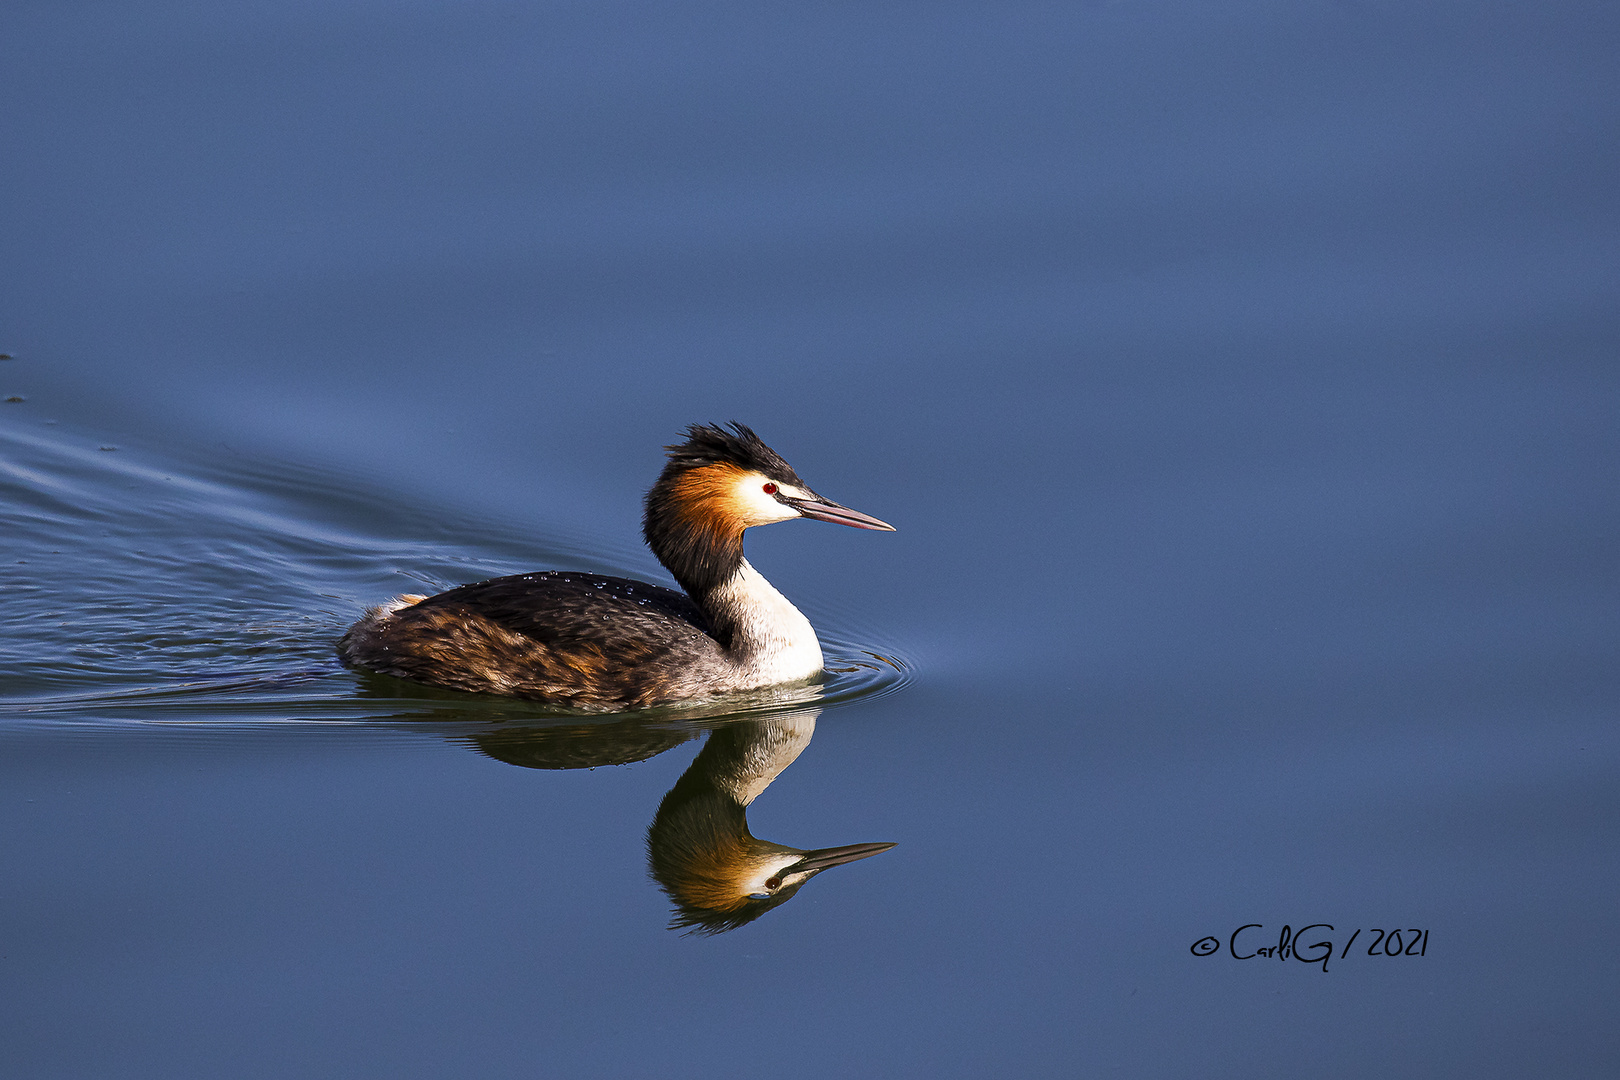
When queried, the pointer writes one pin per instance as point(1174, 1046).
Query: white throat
point(772, 640)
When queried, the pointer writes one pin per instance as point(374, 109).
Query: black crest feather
point(734, 444)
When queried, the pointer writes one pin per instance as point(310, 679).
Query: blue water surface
point(1243, 380)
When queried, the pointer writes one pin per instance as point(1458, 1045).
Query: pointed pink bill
point(827, 510)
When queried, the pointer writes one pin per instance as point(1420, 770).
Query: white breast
point(774, 642)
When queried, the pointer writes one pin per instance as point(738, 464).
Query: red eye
point(770, 489)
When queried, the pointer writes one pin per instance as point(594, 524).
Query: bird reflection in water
point(699, 850)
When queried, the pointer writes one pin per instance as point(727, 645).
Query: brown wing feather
point(574, 639)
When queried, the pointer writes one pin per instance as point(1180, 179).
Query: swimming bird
point(608, 644)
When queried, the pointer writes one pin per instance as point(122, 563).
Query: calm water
point(1244, 382)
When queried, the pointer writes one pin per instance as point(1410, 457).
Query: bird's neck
point(755, 624)
point(700, 551)
point(759, 627)
point(741, 760)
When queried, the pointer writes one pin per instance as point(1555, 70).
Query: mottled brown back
point(575, 639)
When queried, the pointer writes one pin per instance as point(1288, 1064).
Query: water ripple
point(164, 591)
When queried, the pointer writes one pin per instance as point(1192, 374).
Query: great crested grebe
point(609, 643)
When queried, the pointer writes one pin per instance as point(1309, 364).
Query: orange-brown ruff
point(608, 643)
